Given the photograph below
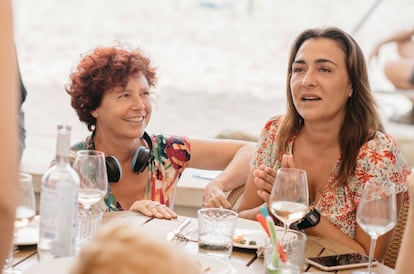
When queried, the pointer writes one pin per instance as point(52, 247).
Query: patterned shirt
point(378, 158)
point(171, 156)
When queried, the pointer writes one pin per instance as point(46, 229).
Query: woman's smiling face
point(125, 111)
point(320, 84)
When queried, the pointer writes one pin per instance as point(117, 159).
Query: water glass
point(216, 227)
point(294, 243)
point(88, 224)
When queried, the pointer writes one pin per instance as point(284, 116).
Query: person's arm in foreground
point(405, 262)
point(8, 130)
point(397, 37)
point(231, 156)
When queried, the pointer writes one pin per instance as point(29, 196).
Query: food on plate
point(240, 239)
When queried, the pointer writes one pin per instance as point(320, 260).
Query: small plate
point(258, 236)
point(28, 235)
point(213, 265)
point(248, 235)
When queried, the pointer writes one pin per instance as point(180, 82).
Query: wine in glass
point(289, 199)
point(25, 213)
point(377, 212)
point(91, 168)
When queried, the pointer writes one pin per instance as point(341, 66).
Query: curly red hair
point(103, 69)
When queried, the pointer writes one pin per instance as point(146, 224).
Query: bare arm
point(251, 202)
point(217, 154)
point(8, 129)
point(233, 157)
point(400, 36)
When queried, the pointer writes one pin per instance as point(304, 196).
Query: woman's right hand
point(263, 178)
point(153, 209)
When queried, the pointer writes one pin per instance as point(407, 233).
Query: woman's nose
point(138, 102)
point(309, 79)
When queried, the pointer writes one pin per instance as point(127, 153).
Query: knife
point(180, 228)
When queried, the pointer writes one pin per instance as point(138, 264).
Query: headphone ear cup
point(142, 157)
point(113, 169)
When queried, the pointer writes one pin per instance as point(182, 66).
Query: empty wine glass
point(91, 168)
point(289, 199)
point(25, 213)
point(377, 212)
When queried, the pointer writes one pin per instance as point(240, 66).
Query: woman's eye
point(325, 69)
point(123, 95)
point(144, 93)
point(297, 69)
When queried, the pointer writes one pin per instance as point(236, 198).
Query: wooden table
point(243, 261)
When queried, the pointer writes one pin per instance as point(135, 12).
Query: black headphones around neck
point(141, 159)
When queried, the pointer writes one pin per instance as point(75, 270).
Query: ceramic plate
point(28, 235)
point(253, 239)
point(61, 265)
point(249, 239)
point(213, 265)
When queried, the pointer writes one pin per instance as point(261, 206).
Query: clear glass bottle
point(59, 203)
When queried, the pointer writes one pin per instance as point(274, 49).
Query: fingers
point(217, 201)
point(153, 209)
point(213, 196)
point(264, 195)
point(264, 177)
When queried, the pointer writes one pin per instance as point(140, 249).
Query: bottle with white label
point(59, 203)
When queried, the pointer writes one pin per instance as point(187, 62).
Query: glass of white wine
point(91, 168)
point(377, 212)
point(289, 200)
point(25, 213)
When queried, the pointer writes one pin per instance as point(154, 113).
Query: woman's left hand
point(153, 209)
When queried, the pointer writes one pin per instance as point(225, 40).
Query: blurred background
point(221, 64)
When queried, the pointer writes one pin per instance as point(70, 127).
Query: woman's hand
point(153, 209)
point(264, 178)
point(214, 196)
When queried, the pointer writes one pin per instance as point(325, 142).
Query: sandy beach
point(221, 64)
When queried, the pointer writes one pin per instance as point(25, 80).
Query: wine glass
point(289, 199)
point(377, 212)
point(91, 168)
point(25, 213)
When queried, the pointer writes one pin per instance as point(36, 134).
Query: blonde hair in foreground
point(123, 248)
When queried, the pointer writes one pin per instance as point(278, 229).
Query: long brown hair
point(361, 119)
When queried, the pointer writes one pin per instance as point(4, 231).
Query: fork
point(183, 238)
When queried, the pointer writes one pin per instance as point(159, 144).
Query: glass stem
point(371, 253)
point(285, 230)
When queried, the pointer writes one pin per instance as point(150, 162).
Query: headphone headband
point(140, 160)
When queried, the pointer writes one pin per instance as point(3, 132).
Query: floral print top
point(171, 156)
point(377, 158)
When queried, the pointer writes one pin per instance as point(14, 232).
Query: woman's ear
point(94, 113)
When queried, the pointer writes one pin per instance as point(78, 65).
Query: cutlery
point(178, 230)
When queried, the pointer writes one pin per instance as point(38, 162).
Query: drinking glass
point(91, 168)
point(377, 212)
point(216, 228)
point(25, 213)
point(289, 199)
